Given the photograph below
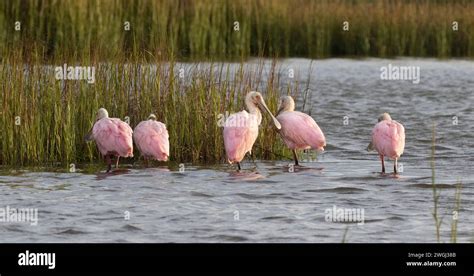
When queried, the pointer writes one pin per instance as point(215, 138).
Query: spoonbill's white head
point(385, 116)
point(254, 101)
point(102, 113)
point(286, 104)
point(152, 117)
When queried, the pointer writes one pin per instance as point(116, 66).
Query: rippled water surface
point(266, 202)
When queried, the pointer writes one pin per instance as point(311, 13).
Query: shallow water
point(266, 202)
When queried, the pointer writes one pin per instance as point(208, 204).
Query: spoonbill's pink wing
point(240, 133)
point(300, 131)
point(388, 138)
point(113, 137)
point(152, 139)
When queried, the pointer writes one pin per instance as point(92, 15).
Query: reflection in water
point(389, 175)
point(245, 176)
point(113, 172)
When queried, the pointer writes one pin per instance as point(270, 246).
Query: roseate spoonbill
point(241, 129)
point(113, 137)
point(388, 139)
point(151, 138)
point(298, 130)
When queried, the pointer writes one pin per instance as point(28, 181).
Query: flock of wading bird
point(298, 130)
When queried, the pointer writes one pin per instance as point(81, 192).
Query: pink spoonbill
point(241, 129)
point(152, 139)
point(298, 130)
point(388, 139)
point(113, 137)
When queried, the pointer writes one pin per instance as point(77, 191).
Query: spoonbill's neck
point(290, 107)
point(253, 109)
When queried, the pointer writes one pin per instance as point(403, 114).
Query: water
point(266, 202)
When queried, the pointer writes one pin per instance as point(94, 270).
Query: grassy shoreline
point(44, 120)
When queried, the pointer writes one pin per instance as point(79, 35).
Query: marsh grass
point(436, 194)
point(457, 207)
point(189, 98)
point(438, 219)
point(204, 29)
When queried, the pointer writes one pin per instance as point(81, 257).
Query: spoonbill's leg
point(238, 166)
point(295, 156)
point(109, 162)
point(383, 164)
point(116, 164)
point(395, 166)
